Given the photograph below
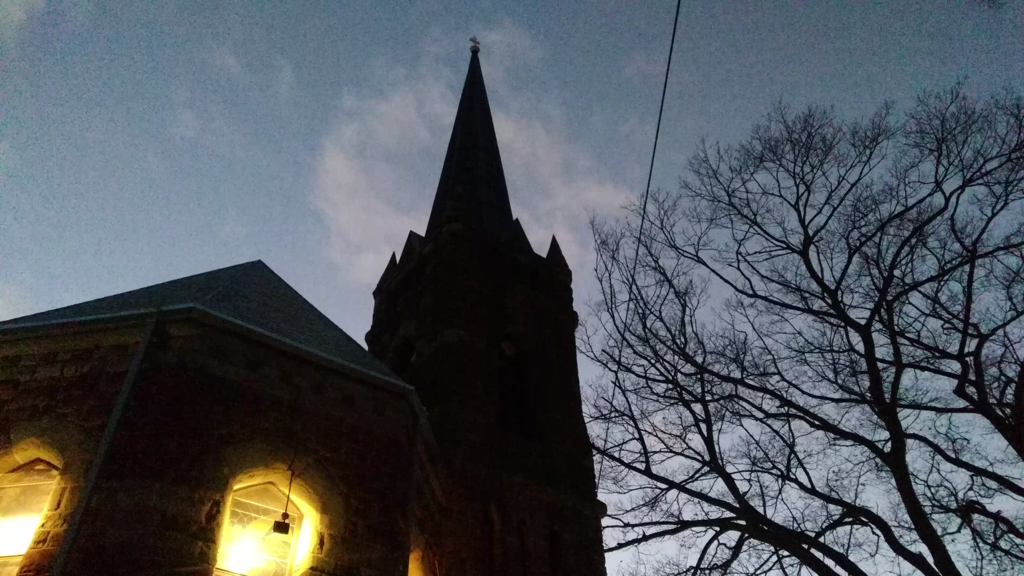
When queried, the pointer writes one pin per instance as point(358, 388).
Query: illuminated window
point(417, 564)
point(24, 493)
point(250, 545)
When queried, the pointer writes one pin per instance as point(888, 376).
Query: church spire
point(472, 188)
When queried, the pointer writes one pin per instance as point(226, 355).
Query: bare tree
point(813, 354)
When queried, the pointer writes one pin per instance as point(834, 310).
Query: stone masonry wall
point(485, 332)
point(56, 394)
point(210, 406)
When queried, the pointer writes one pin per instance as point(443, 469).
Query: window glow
point(249, 544)
point(416, 564)
point(24, 493)
point(16, 534)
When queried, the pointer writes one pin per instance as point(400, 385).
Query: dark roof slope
point(250, 293)
point(472, 187)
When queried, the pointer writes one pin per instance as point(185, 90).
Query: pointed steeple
point(389, 271)
point(472, 187)
point(557, 260)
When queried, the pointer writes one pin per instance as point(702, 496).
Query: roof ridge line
point(242, 269)
point(314, 308)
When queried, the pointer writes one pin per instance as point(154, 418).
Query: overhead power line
point(643, 213)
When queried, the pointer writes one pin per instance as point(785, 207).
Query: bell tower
point(484, 328)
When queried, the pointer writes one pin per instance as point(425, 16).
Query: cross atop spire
point(472, 188)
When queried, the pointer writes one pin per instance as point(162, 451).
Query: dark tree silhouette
point(815, 363)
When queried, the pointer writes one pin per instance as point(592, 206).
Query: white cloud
point(15, 301)
point(552, 184)
point(371, 178)
point(197, 119)
point(226, 62)
point(13, 14)
point(505, 50)
point(378, 170)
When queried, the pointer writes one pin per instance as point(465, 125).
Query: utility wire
point(631, 286)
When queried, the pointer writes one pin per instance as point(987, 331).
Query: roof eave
point(202, 313)
point(428, 447)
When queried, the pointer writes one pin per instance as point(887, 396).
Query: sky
point(145, 141)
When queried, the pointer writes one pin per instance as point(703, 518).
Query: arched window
point(24, 493)
point(257, 540)
point(420, 560)
point(418, 564)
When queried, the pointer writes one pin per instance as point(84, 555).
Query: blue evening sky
point(144, 141)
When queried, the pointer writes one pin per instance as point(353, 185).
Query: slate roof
point(250, 293)
point(472, 187)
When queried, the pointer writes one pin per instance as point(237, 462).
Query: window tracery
point(257, 539)
point(24, 493)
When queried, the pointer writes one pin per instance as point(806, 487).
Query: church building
point(219, 424)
